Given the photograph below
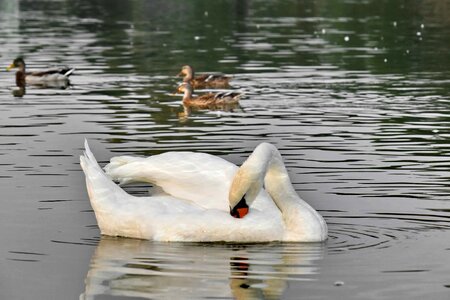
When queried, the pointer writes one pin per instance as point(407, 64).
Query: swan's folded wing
point(197, 177)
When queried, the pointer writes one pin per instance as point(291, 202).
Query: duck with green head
point(49, 76)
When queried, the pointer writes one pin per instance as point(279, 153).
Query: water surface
point(355, 95)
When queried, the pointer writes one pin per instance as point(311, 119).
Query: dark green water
point(355, 94)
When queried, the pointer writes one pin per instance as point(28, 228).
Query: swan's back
point(197, 177)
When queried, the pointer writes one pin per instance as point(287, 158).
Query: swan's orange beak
point(240, 210)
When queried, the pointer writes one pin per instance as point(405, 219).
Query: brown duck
point(208, 100)
point(204, 80)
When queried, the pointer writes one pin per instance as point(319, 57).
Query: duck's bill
point(11, 66)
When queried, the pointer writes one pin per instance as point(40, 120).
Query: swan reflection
point(139, 268)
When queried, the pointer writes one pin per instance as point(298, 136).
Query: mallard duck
point(201, 198)
point(209, 99)
point(204, 80)
point(49, 76)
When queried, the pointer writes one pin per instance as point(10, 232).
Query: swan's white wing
point(196, 177)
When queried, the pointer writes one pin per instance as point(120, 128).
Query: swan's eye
point(240, 210)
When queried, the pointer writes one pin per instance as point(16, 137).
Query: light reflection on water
point(365, 141)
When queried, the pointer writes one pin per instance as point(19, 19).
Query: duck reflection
point(138, 268)
point(21, 90)
point(188, 110)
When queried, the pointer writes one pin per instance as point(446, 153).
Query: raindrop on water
point(206, 13)
point(385, 60)
point(196, 37)
point(338, 283)
point(394, 23)
point(419, 33)
point(422, 26)
point(346, 38)
point(324, 31)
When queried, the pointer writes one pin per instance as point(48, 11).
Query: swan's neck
point(266, 165)
point(301, 220)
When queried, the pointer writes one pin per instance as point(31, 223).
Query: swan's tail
point(103, 192)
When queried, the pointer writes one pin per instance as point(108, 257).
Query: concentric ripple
point(380, 230)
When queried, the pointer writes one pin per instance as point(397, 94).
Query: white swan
point(198, 195)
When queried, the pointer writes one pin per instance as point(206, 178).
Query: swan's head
point(246, 185)
point(240, 210)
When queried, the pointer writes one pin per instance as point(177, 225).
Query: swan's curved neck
point(250, 176)
point(266, 165)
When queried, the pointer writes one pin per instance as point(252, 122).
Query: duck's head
point(185, 88)
point(186, 71)
point(17, 63)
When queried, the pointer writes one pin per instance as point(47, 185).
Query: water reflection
point(20, 90)
point(219, 109)
point(136, 268)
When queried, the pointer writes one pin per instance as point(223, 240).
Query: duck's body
point(53, 76)
point(208, 100)
point(197, 193)
point(204, 80)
